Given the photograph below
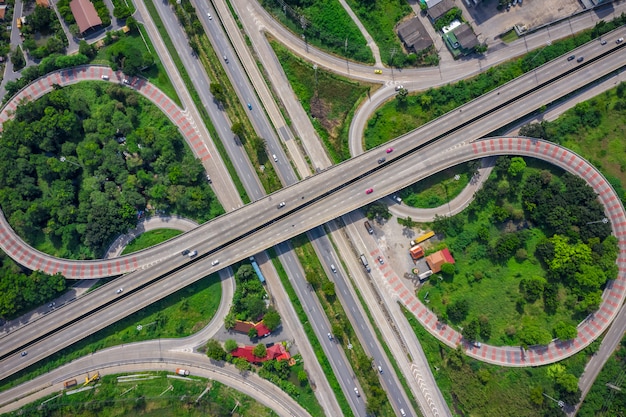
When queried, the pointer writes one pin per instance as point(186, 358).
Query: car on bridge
point(369, 191)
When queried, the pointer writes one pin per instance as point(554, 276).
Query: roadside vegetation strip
point(315, 343)
point(473, 387)
point(324, 24)
point(328, 99)
point(223, 92)
point(401, 115)
point(149, 393)
point(197, 102)
point(342, 329)
point(606, 398)
point(149, 239)
point(398, 372)
point(177, 315)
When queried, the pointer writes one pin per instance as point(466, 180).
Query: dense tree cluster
point(249, 301)
point(80, 163)
point(20, 291)
point(43, 22)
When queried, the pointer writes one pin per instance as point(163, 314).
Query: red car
point(369, 191)
point(389, 150)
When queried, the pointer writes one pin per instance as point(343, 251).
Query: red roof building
point(416, 252)
point(439, 258)
point(276, 351)
point(245, 326)
point(85, 14)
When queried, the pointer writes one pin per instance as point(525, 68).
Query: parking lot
point(394, 241)
point(489, 22)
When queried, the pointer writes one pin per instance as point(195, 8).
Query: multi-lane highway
point(306, 192)
point(388, 179)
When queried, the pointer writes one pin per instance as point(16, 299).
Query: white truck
point(181, 371)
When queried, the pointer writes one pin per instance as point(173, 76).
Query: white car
point(275, 157)
point(119, 291)
point(210, 17)
point(215, 262)
point(356, 391)
point(192, 253)
point(399, 87)
point(105, 77)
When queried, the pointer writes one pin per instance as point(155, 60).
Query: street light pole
point(64, 159)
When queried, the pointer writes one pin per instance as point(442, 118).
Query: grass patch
point(311, 406)
point(380, 18)
point(327, 26)
point(156, 73)
point(438, 189)
point(149, 239)
point(196, 100)
point(471, 387)
point(330, 105)
point(160, 396)
point(396, 118)
point(510, 36)
point(178, 315)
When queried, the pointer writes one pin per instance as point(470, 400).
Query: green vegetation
point(593, 129)
point(398, 117)
point(528, 264)
point(249, 301)
point(149, 239)
point(150, 394)
point(471, 387)
point(82, 161)
point(126, 53)
point(603, 400)
point(315, 344)
point(438, 189)
point(196, 98)
point(43, 35)
point(324, 24)
point(254, 145)
point(20, 291)
point(380, 18)
point(178, 315)
point(510, 36)
point(342, 330)
point(293, 380)
point(329, 99)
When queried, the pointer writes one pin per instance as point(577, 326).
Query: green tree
point(230, 345)
point(253, 333)
point(302, 378)
point(271, 319)
point(565, 331)
point(242, 365)
point(377, 210)
point(260, 351)
point(214, 350)
point(238, 129)
point(517, 167)
point(448, 269)
point(470, 331)
point(86, 49)
point(218, 92)
point(457, 311)
point(533, 287)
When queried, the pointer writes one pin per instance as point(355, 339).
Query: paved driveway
point(489, 22)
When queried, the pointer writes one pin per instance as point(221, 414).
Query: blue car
point(250, 106)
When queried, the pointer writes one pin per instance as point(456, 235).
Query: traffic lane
point(216, 112)
point(245, 92)
point(475, 130)
point(319, 322)
point(358, 318)
point(432, 151)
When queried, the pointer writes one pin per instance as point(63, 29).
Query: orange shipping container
point(416, 252)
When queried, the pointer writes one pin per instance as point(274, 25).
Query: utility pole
point(315, 69)
point(392, 51)
point(345, 52)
